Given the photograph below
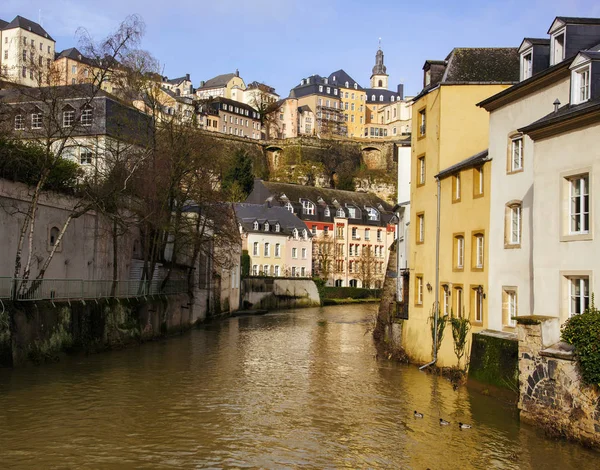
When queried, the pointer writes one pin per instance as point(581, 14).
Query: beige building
point(235, 118)
point(27, 52)
point(353, 99)
point(285, 118)
point(71, 67)
point(229, 85)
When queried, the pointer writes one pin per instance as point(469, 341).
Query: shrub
point(583, 332)
point(460, 332)
point(351, 292)
point(245, 271)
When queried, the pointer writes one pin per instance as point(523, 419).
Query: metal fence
point(79, 289)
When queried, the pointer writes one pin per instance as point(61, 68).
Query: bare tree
point(324, 255)
point(367, 266)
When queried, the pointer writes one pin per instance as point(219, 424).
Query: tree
point(324, 255)
point(238, 179)
point(367, 265)
point(263, 100)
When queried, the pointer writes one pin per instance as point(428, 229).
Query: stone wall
point(551, 393)
point(494, 360)
point(274, 294)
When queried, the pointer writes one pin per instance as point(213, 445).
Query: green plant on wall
point(460, 332)
point(245, 271)
point(583, 332)
point(441, 327)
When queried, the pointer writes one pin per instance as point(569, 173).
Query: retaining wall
point(273, 293)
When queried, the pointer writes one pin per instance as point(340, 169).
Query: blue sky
point(280, 42)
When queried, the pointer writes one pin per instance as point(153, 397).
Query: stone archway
point(373, 158)
point(273, 153)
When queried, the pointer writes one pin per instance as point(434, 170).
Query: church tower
point(379, 78)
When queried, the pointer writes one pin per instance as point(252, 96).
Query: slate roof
point(304, 108)
point(3, 23)
point(341, 77)
point(473, 161)
point(387, 95)
point(564, 113)
point(247, 214)
point(261, 86)
point(73, 54)
point(537, 41)
point(218, 81)
point(577, 20)
point(24, 23)
point(482, 64)
point(177, 81)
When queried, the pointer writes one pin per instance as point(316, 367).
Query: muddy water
point(287, 390)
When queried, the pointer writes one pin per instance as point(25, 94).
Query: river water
point(295, 389)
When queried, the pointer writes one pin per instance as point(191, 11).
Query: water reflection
point(286, 390)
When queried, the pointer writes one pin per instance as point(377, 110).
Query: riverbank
point(329, 302)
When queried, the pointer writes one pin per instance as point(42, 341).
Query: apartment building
point(227, 85)
point(27, 52)
point(236, 118)
point(450, 186)
point(351, 231)
point(278, 242)
point(550, 113)
point(353, 99)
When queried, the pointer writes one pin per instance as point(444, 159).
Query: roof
point(24, 23)
point(177, 81)
point(524, 83)
point(594, 55)
point(262, 87)
point(563, 114)
point(304, 109)
point(239, 104)
point(83, 90)
point(435, 62)
point(247, 214)
point(73, 54)
point(537, 41)
point(387, 95)
point(340, 77)
point(295, 192)
point(473, 161)
point(3, 23)
point(482, 64)
point(218, 81)
point(578, 20)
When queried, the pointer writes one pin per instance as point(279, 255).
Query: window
point(304, 234)
point(478, 182)
point(445, 297)
point(308, 208)
point(581, 85)
point(321, 88)
point(558, 47)
point(277, 250)
point(24, 56)
point(267, 249)
point(277, 227)
point(526, 65)
point(372, 214)
point(479, 244)
point(367, 234)
point(421, 168)
point(255, 249)
point(419, 290)
point(303, 269)
point(303, 253)
point(36, 120)
point(5, 54)
point(516, 153)
point(422, 122)
point(459, 303)
point(295, 234)
point(456, 188)
point(477, 304)
point(509, 306)
point(86, 156)
point(355, 233)
point(420, 228)
point(53, 236)
point(351, 249)
point(255, 225)
point(267, 227)
point(513, 221)
point(579, 294)
point(294, 253)
point(579, 204)
point(378, 235)
point(276, 271)
point(459, 252)
point(19, 122)
point(266, 270)
point(289, 207)
point(327, 213)
point(74, 69)
point(314, 230)
point(86, 116)
point(255, 270)
point(380, 96)
point(325, 231)
point(352, 212)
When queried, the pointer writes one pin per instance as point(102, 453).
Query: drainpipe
point(437, 277)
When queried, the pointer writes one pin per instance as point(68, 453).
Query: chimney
point(556, 105)
point(187, 77)
point(401, 91)
point(237, 73)
point(202, 82)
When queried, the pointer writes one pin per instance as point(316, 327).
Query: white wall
point(404, 157)
point(513, 267)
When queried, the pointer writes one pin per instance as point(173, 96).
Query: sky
point(279, 42)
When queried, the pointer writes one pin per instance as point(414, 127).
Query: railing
point(79, 289)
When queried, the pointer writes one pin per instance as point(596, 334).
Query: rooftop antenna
point(379, 43)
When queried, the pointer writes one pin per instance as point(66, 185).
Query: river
point(290, 389)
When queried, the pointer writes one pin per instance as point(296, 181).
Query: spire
point(379, 68)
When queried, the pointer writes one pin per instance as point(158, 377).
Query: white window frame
point(304, 255)
point(580, 84)
point(255, 270)
point(36, 120)
point(277, 250)
point(460, 252)
point(579, 294)
point(419, 290)
point(553, 49)
point(479, 250)
point(276, 270)
point(514, 235)
point(289, 207)
point(87, 116)
point(422, 169)
point(511, 307)
point(527, 64)
point(295, 253)
point(19, 122)
point(255, 225)
point(255, 249)
point(267, 249)
point(516, 153)
point(308, 208)
point(421, 219)
point(578, 215)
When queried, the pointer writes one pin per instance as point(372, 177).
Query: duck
point(464, 426)
point(418, 415)
point(443, 422)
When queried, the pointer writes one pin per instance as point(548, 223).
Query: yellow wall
point(456, 129)
point(356, 128)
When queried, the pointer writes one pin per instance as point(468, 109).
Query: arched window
point(373, 98)
point(308, 208)
point(339, 283)
point(277, 227)
point(392, 99)
point(295, 233)
point(356, 86)
point(304, 234)
point(353, 283)
point(380, 97)
point(380, 83)
point(53, 236)
point(267, 226)
point(346, 84)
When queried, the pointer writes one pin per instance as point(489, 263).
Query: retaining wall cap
point(498, 334)
point(560, 350)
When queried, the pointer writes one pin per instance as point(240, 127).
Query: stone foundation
point(551, 393)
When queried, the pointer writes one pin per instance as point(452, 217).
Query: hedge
point(351, 292)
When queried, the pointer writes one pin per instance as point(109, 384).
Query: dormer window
point(326, 81)
point(356, 86)
point(321, 88)
point(527, 64)
point(255, 226)
point(373, 98)
point(267, 226)
point(289, 207)
point(380, 97)
point(327, 212)
point(558, 46)
point(352, 212)
point(392, 98)
point(372, 214)
point(308, 208)
point(340, 213)
point(277, 227)
point(580, 84)
point(346, 84)
point(304, 234)
point(328, 90)
point(427, 77)
point(295, 234)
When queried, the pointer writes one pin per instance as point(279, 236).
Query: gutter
point(437, 278)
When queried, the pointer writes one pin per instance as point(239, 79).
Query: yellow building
point(353, 99)
point(449, 162)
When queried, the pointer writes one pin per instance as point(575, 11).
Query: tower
point(379, 77)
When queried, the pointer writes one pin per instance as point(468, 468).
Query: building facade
point(229, 85)
point(27, 52)
point(353, 99)
point(450, 178)
point(236, 118)
point(351, 231)
point(277, 242)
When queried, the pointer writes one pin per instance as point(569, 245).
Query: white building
point(27, 52)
